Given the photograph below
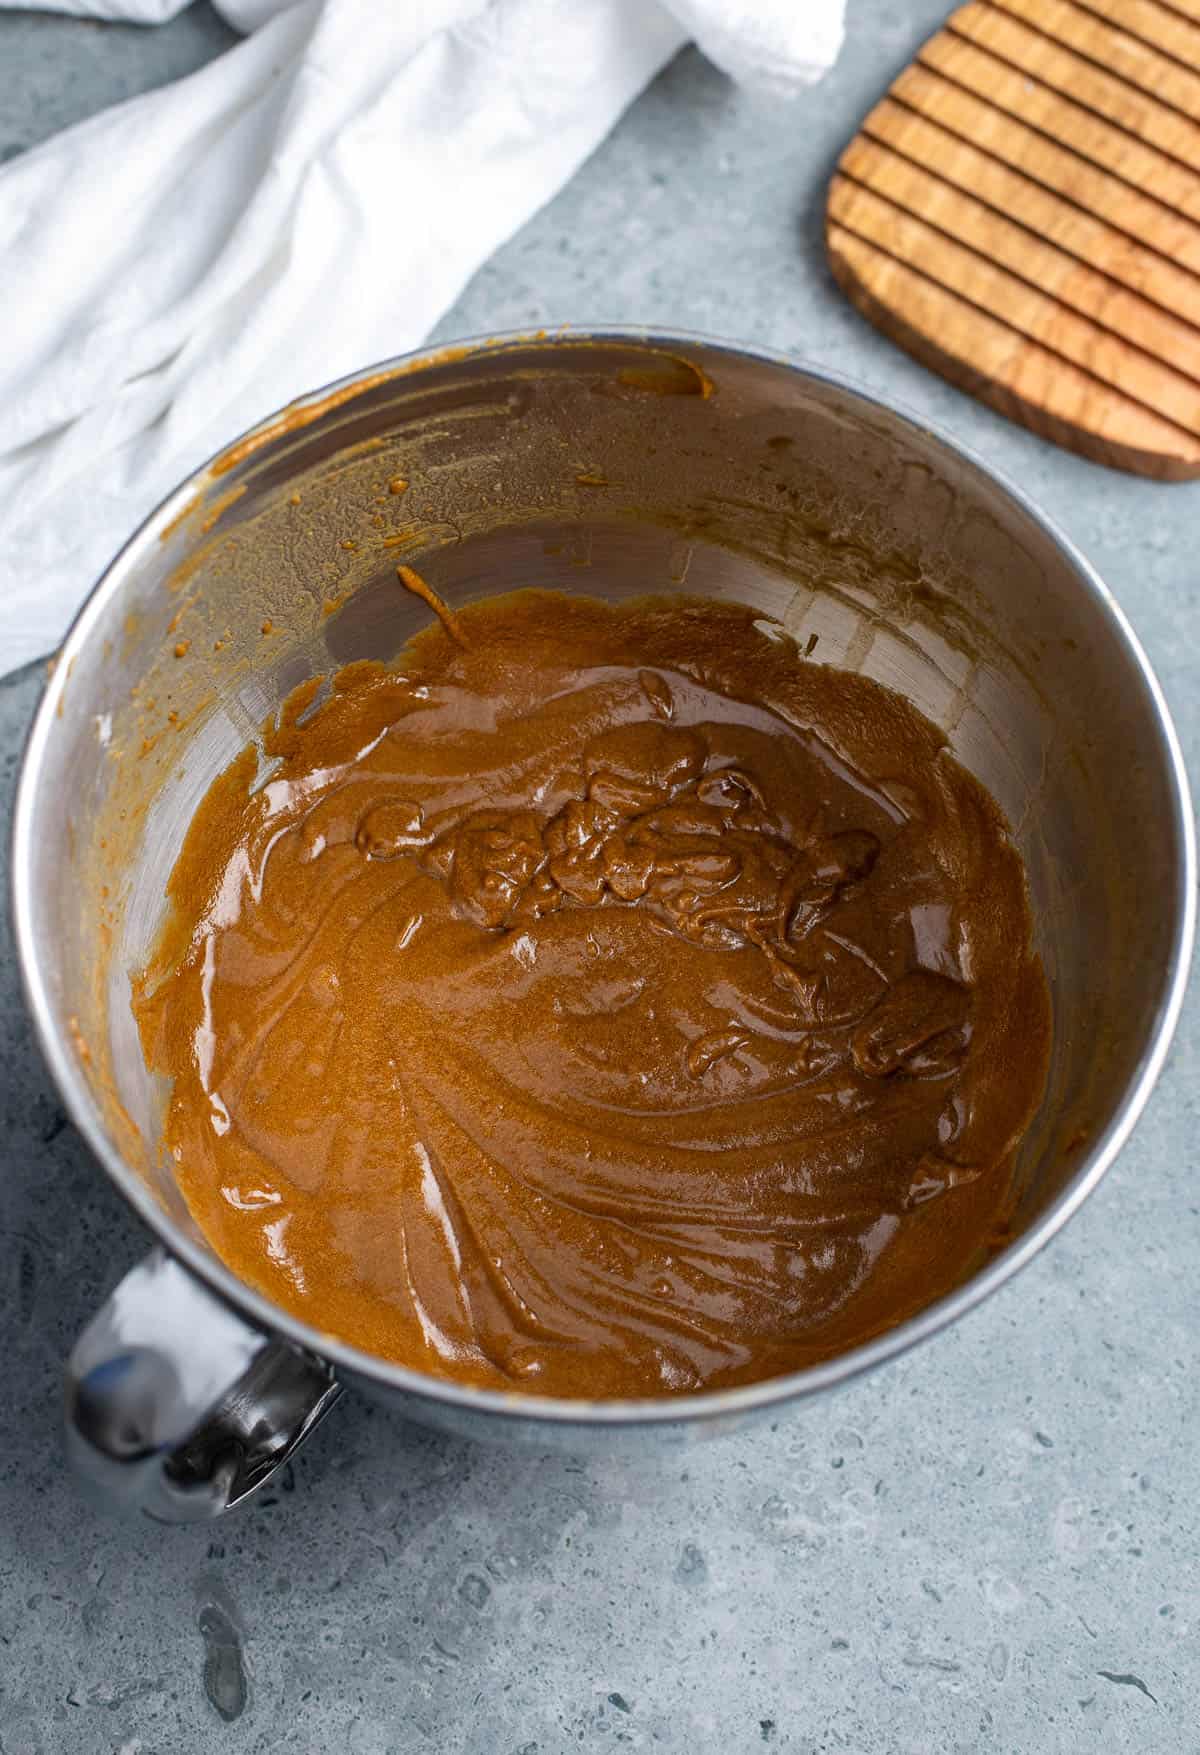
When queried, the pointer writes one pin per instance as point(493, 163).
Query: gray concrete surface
point(991, 1546)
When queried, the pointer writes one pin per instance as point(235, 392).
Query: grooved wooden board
point(1022, 213)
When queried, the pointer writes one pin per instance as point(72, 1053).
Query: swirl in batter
point(599, 1002)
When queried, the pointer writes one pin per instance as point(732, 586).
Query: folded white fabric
point(177, 267)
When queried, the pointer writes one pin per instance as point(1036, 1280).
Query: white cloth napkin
point(179, 266)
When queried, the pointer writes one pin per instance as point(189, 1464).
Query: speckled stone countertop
point(990, 1546)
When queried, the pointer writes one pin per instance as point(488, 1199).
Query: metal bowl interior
point(613, 465)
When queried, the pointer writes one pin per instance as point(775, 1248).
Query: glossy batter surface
point(600, 1002)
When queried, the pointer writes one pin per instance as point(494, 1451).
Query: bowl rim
point(724, 1404)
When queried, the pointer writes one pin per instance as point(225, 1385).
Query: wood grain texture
point(1022, 213)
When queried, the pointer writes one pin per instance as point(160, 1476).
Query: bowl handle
point(178, 1409)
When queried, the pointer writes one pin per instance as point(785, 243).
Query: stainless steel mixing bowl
point(608, 463)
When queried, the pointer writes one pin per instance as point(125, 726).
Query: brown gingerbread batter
point(601, 1002)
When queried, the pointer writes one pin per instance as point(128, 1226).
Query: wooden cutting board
point(1022, 213)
